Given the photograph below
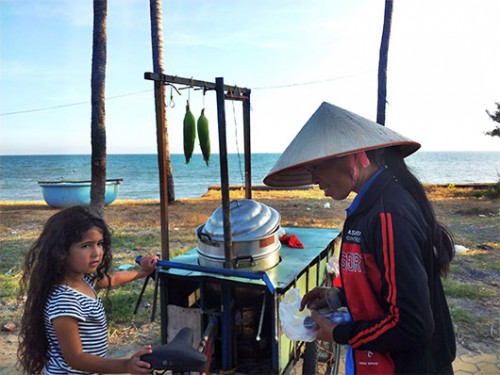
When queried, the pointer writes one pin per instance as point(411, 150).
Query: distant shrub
point(493, 191)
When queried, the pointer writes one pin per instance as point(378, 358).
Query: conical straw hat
point(331, 132)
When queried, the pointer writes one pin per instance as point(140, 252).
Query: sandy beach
point(473, 219)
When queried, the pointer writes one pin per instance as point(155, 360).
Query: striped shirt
point(66, 301)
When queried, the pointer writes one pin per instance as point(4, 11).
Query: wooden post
point(161, 128)
point(161, 135)
point(164, 166)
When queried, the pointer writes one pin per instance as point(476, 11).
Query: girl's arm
point(66, 328)
point(148, 264)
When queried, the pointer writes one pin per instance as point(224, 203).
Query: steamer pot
point(255, 234)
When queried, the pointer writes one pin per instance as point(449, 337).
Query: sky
point(443, 70)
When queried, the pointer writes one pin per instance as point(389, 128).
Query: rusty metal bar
point(238, 93)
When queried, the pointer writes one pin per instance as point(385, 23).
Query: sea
point(19, 175)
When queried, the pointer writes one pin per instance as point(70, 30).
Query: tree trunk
point(382, 64)
point(98, 117)
point(165, 165)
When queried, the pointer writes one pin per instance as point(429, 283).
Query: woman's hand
point(314, 299)
point(325, 326)
point(134, 363)
point(321, 297)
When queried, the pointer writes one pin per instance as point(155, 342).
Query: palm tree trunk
point(165, 167)
point(382, 64)
point(162, 134)
point(98, 116)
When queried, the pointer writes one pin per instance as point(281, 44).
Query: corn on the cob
point(189, 133)
point(203, 136)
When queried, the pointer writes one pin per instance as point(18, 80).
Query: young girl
point(63, 328)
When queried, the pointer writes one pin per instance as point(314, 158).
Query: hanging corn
point(189, 133)
point(203, 136)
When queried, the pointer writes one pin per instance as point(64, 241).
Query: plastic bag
point(292, 320)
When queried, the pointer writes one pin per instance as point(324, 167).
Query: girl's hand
point(325, 326)
point(148, 264)
point(134, 363)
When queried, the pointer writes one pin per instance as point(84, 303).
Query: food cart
point(243, 298)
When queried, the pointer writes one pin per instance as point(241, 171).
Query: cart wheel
point(321, 357)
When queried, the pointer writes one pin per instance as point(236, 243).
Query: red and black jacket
point(401, 322)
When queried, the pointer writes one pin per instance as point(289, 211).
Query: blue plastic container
point(61, 194)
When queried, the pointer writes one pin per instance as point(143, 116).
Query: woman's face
point(85, 255)
point(333, 177)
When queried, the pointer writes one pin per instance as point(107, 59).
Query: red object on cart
point(337, 282)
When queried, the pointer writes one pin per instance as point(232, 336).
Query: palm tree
point(382, 64)
point(165, 168)
point(98, 116)
point(162, 135)
point(495, 116)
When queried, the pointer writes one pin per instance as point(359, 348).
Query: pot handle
point(234, 202)
point(206, 239)
point(245, 259)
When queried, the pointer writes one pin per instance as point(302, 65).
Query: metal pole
point(226, 212)
point(248, 151)
point(227, 327)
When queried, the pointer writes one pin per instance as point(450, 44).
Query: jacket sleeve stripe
point(388, 249)
point(392, 319)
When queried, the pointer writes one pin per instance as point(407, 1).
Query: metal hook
point(171, 103)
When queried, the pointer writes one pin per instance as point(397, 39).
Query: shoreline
point(465, 185)
point(256, 188)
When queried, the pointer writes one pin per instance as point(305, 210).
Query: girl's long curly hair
point(44, 269)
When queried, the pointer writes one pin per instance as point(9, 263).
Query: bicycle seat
point(178, 354)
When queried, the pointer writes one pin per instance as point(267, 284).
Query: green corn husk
point(189, 133)
point(204, 136)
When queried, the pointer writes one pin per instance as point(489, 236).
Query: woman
point(393, 249)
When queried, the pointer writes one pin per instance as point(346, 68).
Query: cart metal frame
point(303, 268)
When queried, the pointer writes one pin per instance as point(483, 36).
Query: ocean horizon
point(19, 174)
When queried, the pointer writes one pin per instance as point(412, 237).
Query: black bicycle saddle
point(178, 354)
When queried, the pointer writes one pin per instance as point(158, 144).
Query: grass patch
point(495, 265)
point(472, 291)
point(459, 315)
point(483, 260)
point(129, 239)
point(120, 303)
point(493, 191)
point(9, 287)
point(12, 253)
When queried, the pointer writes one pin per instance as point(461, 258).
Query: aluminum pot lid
point(250, 220)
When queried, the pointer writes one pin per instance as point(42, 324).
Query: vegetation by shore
point(472, 287)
